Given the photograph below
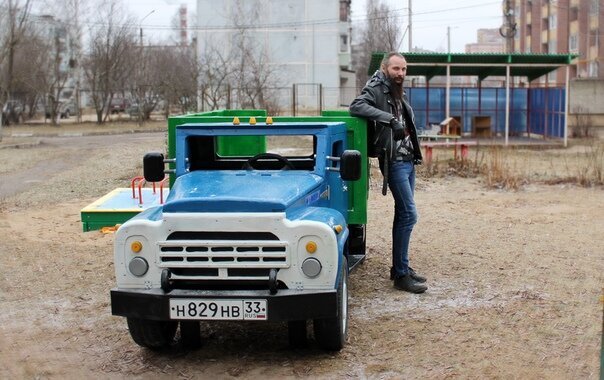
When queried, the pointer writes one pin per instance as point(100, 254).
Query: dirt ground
point(515, 280)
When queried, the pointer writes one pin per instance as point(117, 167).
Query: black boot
point(408, 284)
point(414, 275)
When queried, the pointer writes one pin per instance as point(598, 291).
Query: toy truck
point(256, 227)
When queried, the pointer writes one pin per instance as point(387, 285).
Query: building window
point(343, 43)
point(594, 7)
point(572, 43)
point(553, 21)
point(574, 13)
point(593, 37)
point(527, 49)
point(344, 10)
point(593, 69)
point(529, 29)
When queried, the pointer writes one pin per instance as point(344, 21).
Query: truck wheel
point(357, 239)
point(331, 333)
point(152, 334)
point(190, 336)
point(297, 334)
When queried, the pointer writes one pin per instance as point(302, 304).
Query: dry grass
point(511, 168)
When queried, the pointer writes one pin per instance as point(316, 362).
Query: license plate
point(218, 309)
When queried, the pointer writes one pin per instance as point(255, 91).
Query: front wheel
point(152, 334)
point(331, 333)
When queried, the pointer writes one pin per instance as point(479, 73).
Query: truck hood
point(241, 191)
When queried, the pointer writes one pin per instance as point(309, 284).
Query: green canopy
point(481, 65)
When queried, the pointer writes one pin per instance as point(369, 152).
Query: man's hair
point(386, 60)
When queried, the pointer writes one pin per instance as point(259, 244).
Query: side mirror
point(350, 165)
point(153, 167)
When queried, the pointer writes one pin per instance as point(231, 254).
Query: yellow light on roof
point(236, 121)
point(269, 120)
point(252, 120)
point(338, 228)
point(311, 247)
point(136, 246)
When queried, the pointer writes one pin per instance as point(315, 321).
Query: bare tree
point(31, 71)
point(147, 79)
point(110, 60)
point(15, 20)
point(17, 14)
point(179, 85)
point(382, 33)
point(69, 14)
point(242, 74)
point(215, 72)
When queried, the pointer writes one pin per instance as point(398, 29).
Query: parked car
point(12, 112)
point(65, 109)
point(133, 110)
point(119, 105)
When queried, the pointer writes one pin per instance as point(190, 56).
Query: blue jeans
point(401, 181)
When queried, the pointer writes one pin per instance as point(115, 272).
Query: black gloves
point(398, 131)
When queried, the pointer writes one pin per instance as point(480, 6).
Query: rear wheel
point(357, 239)
point(331, 333)
point(152, 334)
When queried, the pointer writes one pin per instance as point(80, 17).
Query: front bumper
point(286, 305)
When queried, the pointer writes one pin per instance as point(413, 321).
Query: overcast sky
point(430, 19)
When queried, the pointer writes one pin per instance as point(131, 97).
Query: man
point(384, 103)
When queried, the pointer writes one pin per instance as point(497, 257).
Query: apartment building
point(306, 42)
point(562, 26)
point(487, 41)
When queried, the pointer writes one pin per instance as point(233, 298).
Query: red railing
point(139, 182)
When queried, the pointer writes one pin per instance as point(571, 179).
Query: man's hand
point(417, 161)
point(398, 131)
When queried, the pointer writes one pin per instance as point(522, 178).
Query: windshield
point(276, 152)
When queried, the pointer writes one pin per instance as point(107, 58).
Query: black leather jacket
point(375, 103)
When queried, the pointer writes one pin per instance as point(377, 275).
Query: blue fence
point(532, 110)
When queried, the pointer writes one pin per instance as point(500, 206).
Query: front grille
point(192, 255)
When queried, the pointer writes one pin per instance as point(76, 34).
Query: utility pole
point(410, 27)
point(449, 39)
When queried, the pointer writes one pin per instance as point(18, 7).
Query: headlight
point(138, 266)
point(311, 267)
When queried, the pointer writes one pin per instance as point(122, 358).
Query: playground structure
point(488, 112)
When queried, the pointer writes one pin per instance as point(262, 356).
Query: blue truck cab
point(260, 236)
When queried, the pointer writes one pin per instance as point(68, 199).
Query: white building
point(305, 42)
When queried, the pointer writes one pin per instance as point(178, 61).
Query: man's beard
point(397, 89)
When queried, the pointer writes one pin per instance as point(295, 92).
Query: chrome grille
point(222, 256)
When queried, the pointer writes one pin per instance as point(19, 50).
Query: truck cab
point(255, 228)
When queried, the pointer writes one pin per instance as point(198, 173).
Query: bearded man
point(394, 141)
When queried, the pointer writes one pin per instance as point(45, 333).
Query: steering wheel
point(287, 165)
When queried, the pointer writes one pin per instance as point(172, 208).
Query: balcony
point(344, 59)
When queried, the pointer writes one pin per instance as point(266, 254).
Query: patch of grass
point(511, 168)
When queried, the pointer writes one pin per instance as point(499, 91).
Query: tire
point(297, 334)
point(331, 333)
point(152, 334)
point(357, 239)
